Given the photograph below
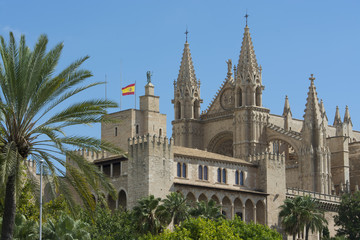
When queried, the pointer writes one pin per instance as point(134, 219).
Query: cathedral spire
point(337, 119)
point(347, 118)
point(287, 111)
point(313, 114)
point(187, 71)
point(248, 68)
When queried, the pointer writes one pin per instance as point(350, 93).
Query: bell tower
point(186, 124)
point(250, 116)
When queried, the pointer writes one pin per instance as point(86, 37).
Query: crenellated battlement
point(92, 155)
point(151, 139)
point(267, 156)
point(31, 165)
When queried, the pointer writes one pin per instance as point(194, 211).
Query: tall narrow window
point(115, 131)
point(184, 170)
point(200, 172)
point(205, 173)
point(224, 175)
point(236, 177)
point(160, 132)
point(241, 178)
point(178, 169)
point(178, 107)
point(137, 129)
point(219, 175)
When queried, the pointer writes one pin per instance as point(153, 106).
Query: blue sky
point(124, 39)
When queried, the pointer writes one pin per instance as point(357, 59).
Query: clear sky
point(124, 39)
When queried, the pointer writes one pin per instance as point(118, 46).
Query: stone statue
point(229, 63)
point(148, 76)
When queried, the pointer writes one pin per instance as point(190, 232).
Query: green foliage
point(173, 210)
point(66, 228)
point(26, 204)
point(208, 210)
point(201, 229)
point(55, 208)
point(108, 225)
point(144, 215)
point(302, 212)
point(24, 229)
point(348, 218)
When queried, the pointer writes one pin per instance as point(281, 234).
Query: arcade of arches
point(248, 209)
point(120, 203)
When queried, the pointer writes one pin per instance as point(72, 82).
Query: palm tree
point(313, 217)
point(208, 210)
point(174, 209)
point(66, 228)
point(33, 126)
point(290, 216)
point(299, 213)
point(144, 215)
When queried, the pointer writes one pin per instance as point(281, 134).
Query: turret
point(186, 124)
point(287, 113)
point(187, 89)
point(248, 76)
point(315, 154)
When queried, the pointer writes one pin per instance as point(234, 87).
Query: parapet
point(267, 157)
point(92, 155)
point(148, 138)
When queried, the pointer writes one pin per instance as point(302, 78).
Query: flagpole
point(105, 87)
point(120, 86)
point(135, 94)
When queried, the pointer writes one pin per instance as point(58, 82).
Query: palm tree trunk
point(8, 223)
point(307, 232)
point(294, 236)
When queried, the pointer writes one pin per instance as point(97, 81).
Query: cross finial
point(311, 78)
point(186, 33)
point(246, 16)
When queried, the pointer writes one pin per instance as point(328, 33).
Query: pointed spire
point(347, 118)
point(337, 119)
point(322, 110)
point(312, 111)
point(247, 66)
point(187, 72)
point(287, 110)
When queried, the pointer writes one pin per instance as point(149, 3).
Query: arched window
point(160, 132)
point(115, 132)
point(219, 175)
point(137, 129)
point(224, 175)
point(184, 170)
point(205, 173)
point(239, 97)
point(258, 96)
point(178, 107)
point(178, 169)
point(236, 177)
point(200, 172)
point(196, 109)
point(241, 178)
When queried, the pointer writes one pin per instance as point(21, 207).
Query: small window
point(241, 178)
point(116, 132)
point(236, 177)
point(160, 132)
point(205, 173)
point(219, 175)
point(200, 172)
point(137, 129)
point(178, 169)
point(224, 175)
point(184, 170)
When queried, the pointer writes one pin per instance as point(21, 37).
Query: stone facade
point(235, 152)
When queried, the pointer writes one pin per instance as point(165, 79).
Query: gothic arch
point(202, 197)
point(249, 211)
point(216, 199)
point(226, 207)
point(122, 200)
point(222, 144)
point(190, 197)
point(111, 202)
point(238, 208)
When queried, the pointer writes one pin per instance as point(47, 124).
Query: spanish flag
point(128, 90)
